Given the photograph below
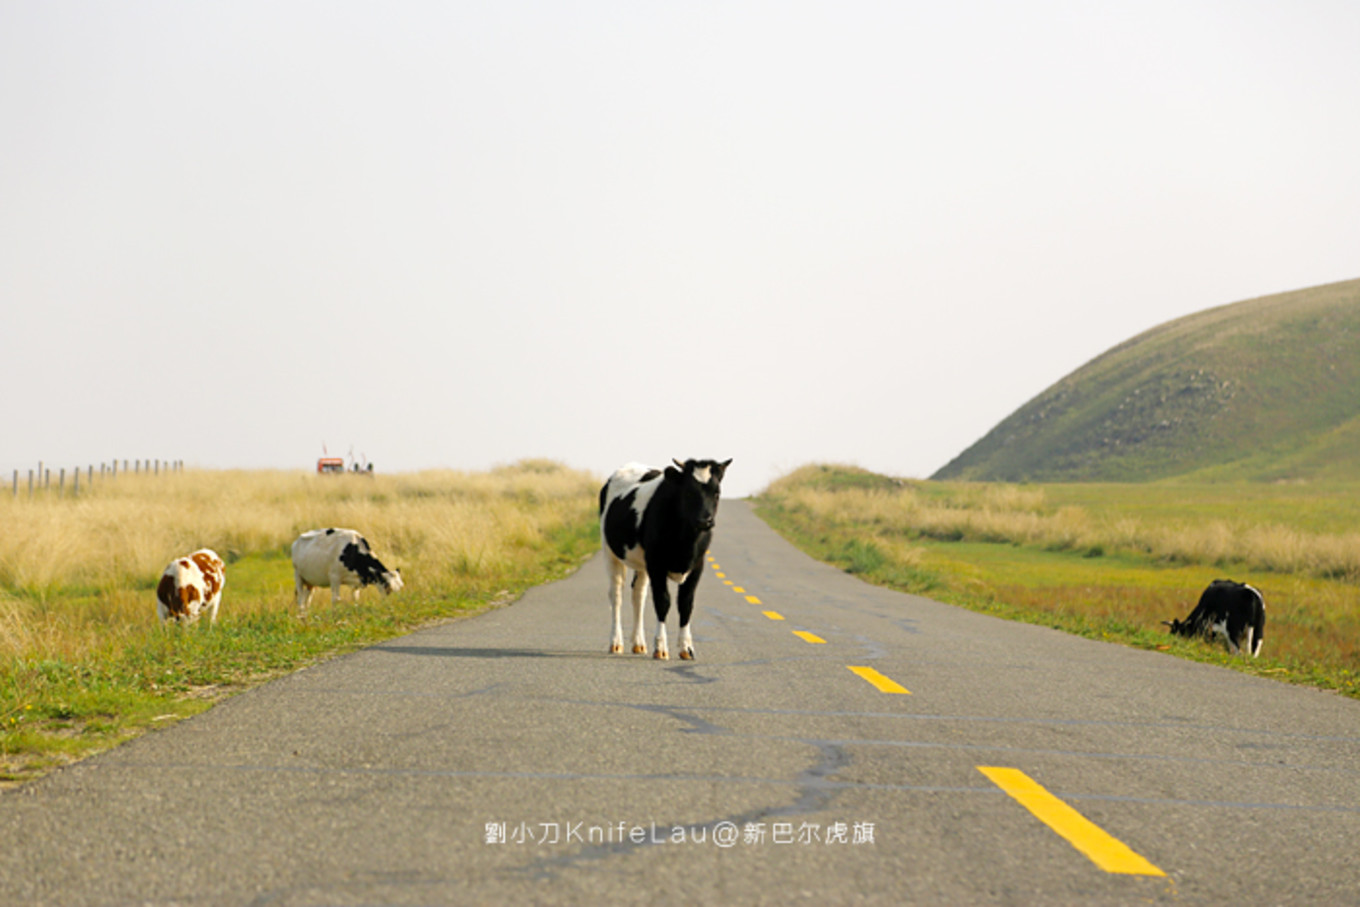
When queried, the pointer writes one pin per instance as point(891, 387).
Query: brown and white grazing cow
point(190, 586)
point(336, 558)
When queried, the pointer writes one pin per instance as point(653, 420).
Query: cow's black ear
point(672, 473)
point(722, 468)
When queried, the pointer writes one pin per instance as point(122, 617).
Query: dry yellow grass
point(78, 573)
point(1022, 515)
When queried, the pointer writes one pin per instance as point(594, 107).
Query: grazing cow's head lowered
point(1233, 611)
point(660, 524)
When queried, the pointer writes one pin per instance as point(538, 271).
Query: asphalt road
point(508, 759)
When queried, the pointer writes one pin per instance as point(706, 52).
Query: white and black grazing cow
point(335, 558)
point(660, 524)
point(1234, 611)
point(190, 586)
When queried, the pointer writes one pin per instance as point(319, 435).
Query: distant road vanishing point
point(834, 743)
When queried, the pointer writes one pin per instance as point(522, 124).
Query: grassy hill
point(1265, 389)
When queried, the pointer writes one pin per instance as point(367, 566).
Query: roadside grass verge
point(84, 663)
point(1104, 561)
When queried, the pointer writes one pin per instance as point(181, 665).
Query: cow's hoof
point(616, 649)
point(687, 654)
point(661, 655)
point(639, 650)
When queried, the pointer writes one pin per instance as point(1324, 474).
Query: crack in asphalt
point(815, 789)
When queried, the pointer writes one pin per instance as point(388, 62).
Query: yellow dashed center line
point(884, 684)
point(1106, 852)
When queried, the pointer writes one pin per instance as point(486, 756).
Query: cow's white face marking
point(703, 474)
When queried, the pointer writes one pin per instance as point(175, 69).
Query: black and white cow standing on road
point(660, 524)
point(1234, 611)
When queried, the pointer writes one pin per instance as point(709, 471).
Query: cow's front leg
point(661, 603)
point(617, 574)
point(639, 603)
point(685, 605)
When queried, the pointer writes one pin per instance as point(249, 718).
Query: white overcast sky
point(460, 234)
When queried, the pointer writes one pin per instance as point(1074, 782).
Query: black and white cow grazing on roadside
point(1234, 611)
point(335, 558)
point(660, 524)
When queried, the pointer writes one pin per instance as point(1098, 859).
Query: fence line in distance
point(107, 470)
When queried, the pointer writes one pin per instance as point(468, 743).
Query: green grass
point(1117, 586)
point(1327, 507)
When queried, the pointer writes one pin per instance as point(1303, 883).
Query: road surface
point(834, 743)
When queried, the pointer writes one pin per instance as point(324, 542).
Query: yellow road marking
point(738, 589)
point(753, 600)
point(727, 582)
point(884, 684)
point(720, 575)
point(1106, 852)
point(808, 637)
point(773, 615)
point(715, 566)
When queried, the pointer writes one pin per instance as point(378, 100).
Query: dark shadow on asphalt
point(446, 652)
